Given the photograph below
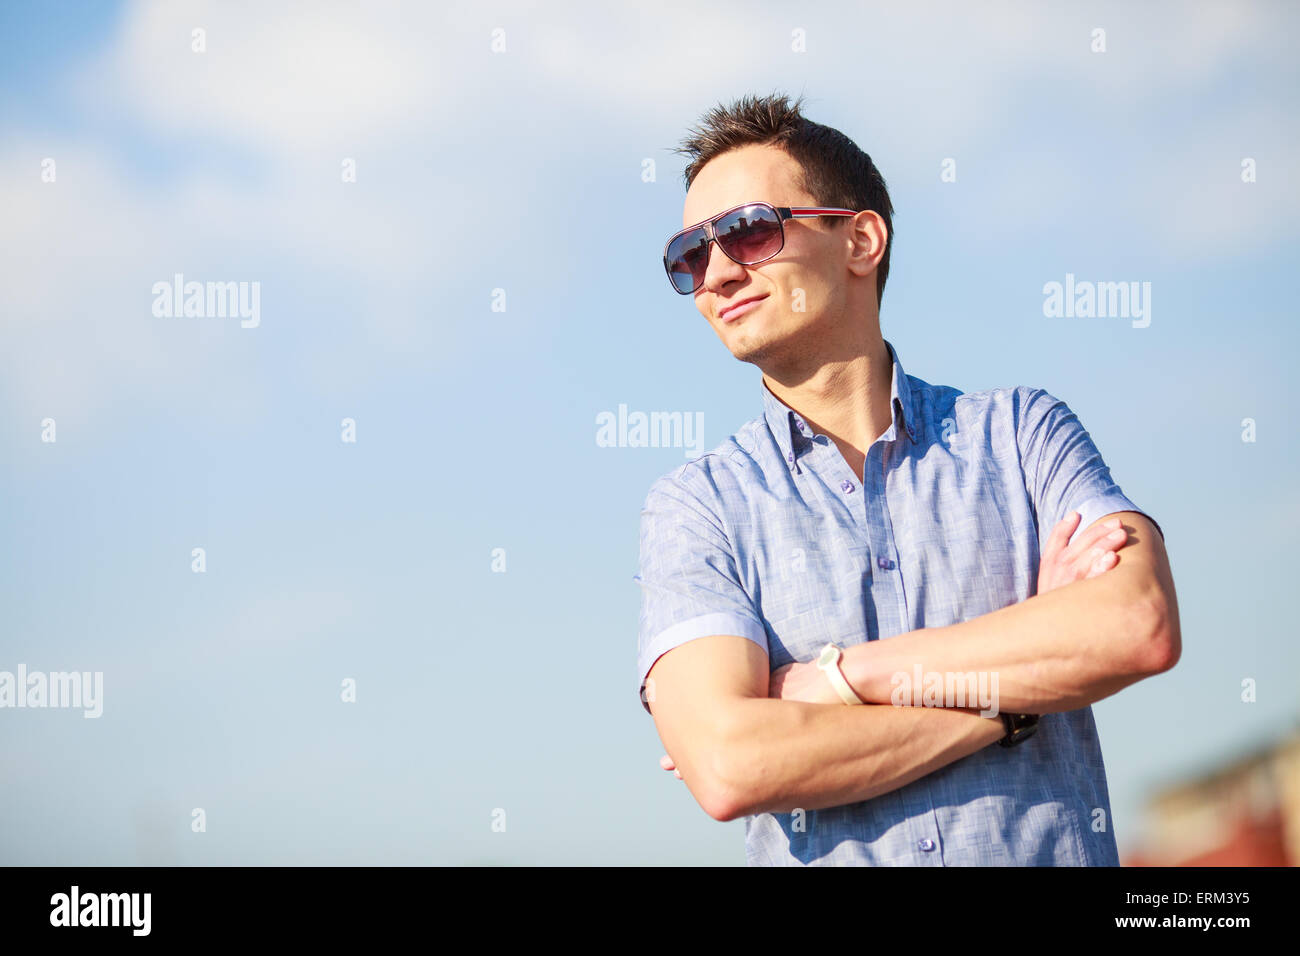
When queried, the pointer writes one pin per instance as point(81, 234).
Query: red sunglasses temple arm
point(806, 212)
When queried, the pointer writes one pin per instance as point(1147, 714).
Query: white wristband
point(829, 663)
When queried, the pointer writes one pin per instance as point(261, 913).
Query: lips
point(726, 314)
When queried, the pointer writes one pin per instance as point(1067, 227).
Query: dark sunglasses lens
point(688, 258)
point(751, 234)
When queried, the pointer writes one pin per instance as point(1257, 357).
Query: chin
point(748, 350)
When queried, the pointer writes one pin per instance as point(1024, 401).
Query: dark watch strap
point(1020, 727)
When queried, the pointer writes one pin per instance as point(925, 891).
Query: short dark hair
point(835, 171)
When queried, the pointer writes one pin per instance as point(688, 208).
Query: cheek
point(827, 298)
point(804, 291)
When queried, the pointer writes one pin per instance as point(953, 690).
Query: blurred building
point(1245, 813)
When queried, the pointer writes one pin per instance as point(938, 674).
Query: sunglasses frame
point(711, 236)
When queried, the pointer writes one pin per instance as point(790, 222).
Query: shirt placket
point(865, 498)
point(918, 803)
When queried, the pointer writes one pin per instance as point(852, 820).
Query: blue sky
point(522, 170)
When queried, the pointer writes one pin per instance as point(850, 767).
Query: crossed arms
point(741, 751)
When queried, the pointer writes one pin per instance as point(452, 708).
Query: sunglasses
point(748, 234)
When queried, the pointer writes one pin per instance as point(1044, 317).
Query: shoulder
point(1000, 417)
point(1013, 405)
point(1012, 400)
point(710, 479)
point(948, 405)
point(936, 401)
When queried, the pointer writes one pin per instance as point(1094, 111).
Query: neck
point(847, 397)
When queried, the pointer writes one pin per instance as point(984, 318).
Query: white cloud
point(432, 116)
point(279, 78)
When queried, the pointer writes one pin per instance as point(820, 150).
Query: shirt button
point(789, 456)
point(885, 564)
point(926, 845)
point(847, 487)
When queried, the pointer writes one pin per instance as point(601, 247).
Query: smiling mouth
point(738, 310)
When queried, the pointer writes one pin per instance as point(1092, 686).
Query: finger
point(1096, 561)
point(1090, 536)
point(679, 774)
point(1061, 533)
point(666, 762)
point(1109, 536)
point(1104, 563)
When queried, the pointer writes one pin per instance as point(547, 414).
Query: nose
point(721, 268)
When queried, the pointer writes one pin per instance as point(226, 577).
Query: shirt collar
point(793, 434)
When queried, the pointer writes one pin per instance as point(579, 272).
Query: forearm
point(1052, 652)
point(778, 755)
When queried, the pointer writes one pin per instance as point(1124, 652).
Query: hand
point(1091, 554)
point(805, 682)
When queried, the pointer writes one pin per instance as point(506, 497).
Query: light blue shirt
point(771, 536)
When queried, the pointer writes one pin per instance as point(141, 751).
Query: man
point(868, 532)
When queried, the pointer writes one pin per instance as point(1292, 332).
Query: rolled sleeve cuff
point(1102, 505)
point(706, 625)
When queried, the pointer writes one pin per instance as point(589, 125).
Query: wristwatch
point(829, 663)
point(1020, 727)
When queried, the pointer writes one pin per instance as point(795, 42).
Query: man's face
point(809, 273)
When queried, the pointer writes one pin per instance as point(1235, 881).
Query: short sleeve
point(687, 572)
point(1063, 469)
